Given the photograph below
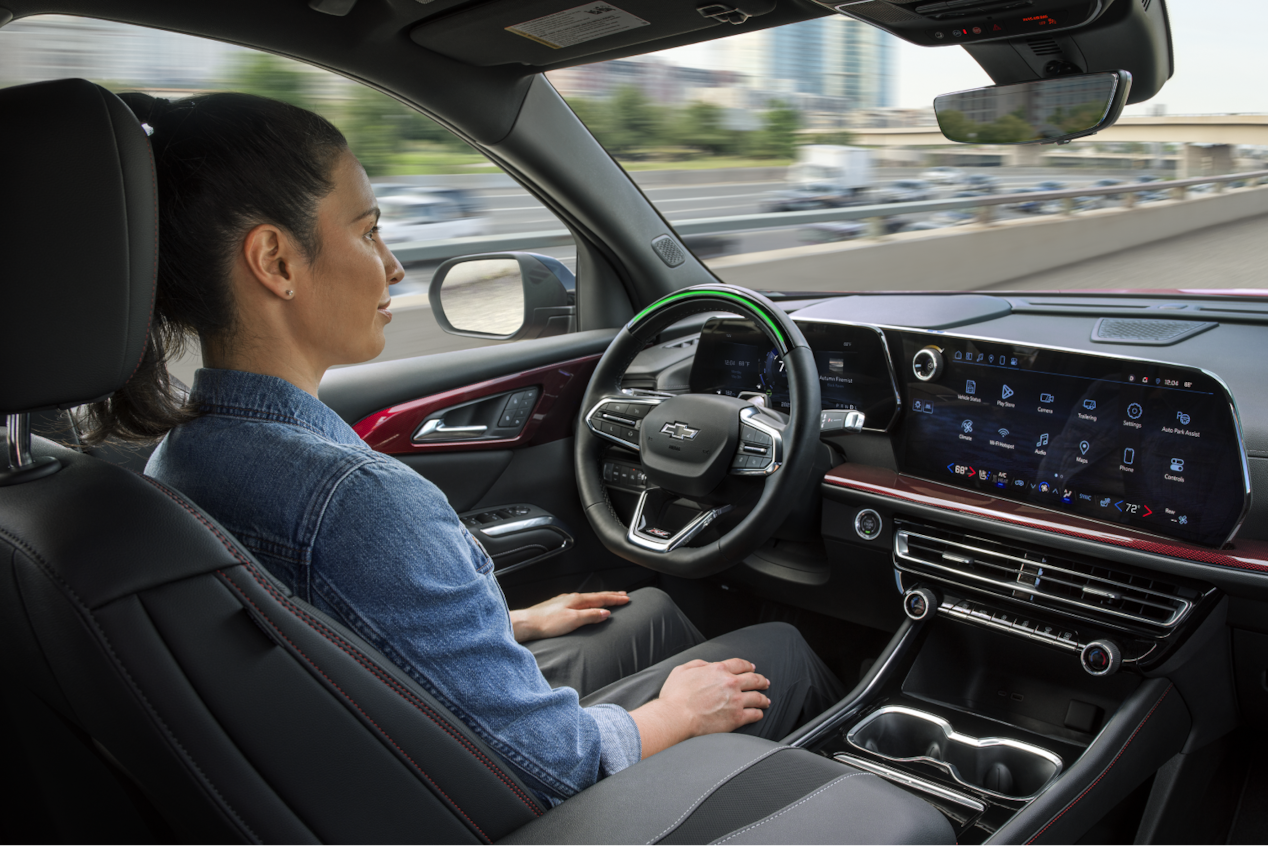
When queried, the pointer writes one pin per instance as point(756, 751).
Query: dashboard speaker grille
point(1146, 332)
point(1044, 47)
point(669, 251)
point(1088, 587)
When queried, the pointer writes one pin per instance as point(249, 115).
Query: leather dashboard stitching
point(87, 614)
point(800, 801)
point(692, 807)
point(351, 651)
point(276, 628)
point(1105, 771)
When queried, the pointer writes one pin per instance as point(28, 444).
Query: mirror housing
point(1044, 111)
point(548, 288)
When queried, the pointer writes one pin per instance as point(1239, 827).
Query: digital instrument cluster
point(1150, 445)
point(855, 373)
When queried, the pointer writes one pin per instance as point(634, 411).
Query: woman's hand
point(702, 698)
point(564, 613)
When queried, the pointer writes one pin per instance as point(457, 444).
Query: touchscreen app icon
point(1084, 446)
point(1177, 465)
point(1007, 392)
point(1047, 399)
point(1043, 440)
point(1105, 501)
point(1134, 411)
point(967, 426)
point(1089, 404)
point(1129, 455)
point(970, 387)
point(1183, 418)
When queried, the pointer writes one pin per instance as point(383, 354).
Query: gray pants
point(626, 659)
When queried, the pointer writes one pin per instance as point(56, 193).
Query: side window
point(436, 192)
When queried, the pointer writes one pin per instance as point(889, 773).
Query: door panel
point(387, 403)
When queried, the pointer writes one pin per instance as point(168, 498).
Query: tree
point(270, 76)
point(699, 125)
point(374, 125)
point(778, 135)
point(635, 123)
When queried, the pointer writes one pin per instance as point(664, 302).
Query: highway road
point(1227, 257)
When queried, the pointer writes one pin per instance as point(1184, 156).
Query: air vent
point(1044, 47)
point(1088, 587)
point(1151, 333)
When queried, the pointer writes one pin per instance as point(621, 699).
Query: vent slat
point(1019, 571)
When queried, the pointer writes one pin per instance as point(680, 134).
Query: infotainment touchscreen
point(733, 357)
point(1154, 446)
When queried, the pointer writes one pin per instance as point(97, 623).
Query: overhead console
point(1154, 446)
point(933, 23)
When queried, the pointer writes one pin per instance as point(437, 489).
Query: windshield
point(737, 132)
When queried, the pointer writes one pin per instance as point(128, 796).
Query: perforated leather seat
point(188, 694)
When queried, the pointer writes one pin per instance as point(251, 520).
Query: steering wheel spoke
point(619, 418)
point(657, 528)
point(760, 451)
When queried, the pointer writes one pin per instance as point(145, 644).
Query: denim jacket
point(369, 541)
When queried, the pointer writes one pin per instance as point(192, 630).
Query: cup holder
point(995, 765)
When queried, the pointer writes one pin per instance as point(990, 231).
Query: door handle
point(436, 430)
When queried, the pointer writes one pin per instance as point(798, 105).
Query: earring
point(290, 294)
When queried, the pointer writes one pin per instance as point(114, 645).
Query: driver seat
point(164, 686)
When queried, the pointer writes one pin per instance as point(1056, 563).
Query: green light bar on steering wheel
point(753, 305)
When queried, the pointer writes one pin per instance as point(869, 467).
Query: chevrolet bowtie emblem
point(679, 431)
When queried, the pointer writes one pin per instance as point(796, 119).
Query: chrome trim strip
point(902, 552)
point(685, 534)
point(18, 434)
point(435, 430)
point(500, 529)
point(902, 778)
point(638, 426)
point(951, 734)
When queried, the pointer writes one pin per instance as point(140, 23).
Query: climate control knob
point(919, 603)
point(1101, 658)
point(927, 364)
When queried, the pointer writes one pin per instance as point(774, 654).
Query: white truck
point(824, 176)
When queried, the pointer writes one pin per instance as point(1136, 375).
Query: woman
point(269, 256)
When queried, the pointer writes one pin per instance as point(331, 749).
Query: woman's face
point(345, 310)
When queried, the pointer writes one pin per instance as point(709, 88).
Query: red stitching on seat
point(354, 704)
point(351, 651)
point(1076, 799)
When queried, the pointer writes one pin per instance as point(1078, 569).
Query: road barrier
point(983, 207)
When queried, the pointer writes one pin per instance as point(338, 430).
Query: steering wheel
point(722, 472)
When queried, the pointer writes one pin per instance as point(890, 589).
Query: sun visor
point(549, 32)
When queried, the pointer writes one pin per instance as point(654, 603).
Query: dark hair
point(224, 164)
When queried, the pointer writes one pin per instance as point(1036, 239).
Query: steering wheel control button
point(868, 524)
point(1101, 658)
point(927, 364)
point(919, 603)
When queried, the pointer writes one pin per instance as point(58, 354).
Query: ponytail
point(225, 163)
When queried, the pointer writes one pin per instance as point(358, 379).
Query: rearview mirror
point(1046, 111)
point(503, 296)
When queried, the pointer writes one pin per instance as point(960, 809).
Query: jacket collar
point(254, 396)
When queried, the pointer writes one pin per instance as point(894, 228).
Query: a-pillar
point(1026, 155)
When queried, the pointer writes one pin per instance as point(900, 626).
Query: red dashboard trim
point(1242, 554)
point(389, 430)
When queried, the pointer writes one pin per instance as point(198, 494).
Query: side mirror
point(504, 296)
point(1046, 111)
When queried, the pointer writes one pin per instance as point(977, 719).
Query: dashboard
point(1123, 440)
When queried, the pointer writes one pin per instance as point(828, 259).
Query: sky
point(1219, 58)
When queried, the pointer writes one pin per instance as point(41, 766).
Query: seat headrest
point(78, 244)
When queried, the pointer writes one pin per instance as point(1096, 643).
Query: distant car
point(907, 191)
point(1100, 200)
point(464, 198)
point(1051, 185)
point(1149, 196)
point(941, 220)
point(823, 233)
point(805, 197)
point(981, 183)
point(392, 189)
point(943, 175)
point(411, 217)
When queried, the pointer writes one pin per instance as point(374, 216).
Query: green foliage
point(269, 76)
point(777, 139)
point(1008, 129)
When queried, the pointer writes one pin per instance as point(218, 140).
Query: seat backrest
point(189, 695)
